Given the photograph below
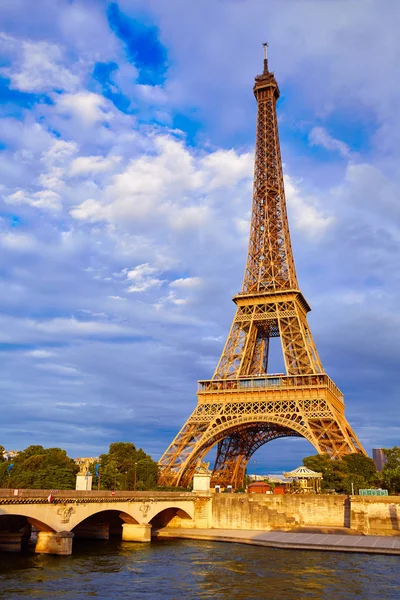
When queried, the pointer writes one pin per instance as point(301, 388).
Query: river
point(189, 570)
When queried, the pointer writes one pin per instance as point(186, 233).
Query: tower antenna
point(265, 45)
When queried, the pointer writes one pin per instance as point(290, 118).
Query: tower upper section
point(270, 265)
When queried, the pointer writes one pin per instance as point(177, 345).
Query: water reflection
point(184, 569)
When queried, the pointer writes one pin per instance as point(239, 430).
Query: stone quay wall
point(376, 515)
point(366, 515)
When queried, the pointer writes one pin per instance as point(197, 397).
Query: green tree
point(359, 473)
point(391, 470)
point(42, 468)
point(3, 474)
point(332, 474)
point(147, 473)
point(2, 450)
point(353, 471)
point(126, 468)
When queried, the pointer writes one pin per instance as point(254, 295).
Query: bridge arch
point(103, 514)
point(41, 520)
point(171, 517)
point(76, 514)
point(102, 524)
point(151, 509)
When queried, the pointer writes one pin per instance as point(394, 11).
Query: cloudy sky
point(126, 155)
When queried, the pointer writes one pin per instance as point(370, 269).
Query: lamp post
point(134, 481)
point(97, 473)
point(115, 478)
point(255, 470)
point(9, 473)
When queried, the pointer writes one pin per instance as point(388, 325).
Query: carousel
point(303, 481)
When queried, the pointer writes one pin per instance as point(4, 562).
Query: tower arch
point(237, 440)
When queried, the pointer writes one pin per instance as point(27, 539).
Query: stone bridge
point(28, 517)
point(94, 515)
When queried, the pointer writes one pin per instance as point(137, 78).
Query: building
point(84, 462)
point(259, 487)
point(10, 454)
point(257, 477)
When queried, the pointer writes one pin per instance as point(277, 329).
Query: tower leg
point(179, 452)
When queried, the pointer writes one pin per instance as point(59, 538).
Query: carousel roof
point(303, 473)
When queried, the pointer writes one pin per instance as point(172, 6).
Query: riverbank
point(333, 542)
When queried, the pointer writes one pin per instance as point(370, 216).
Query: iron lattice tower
point(243, 407)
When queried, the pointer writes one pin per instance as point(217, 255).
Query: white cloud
point(154, 185)
point(59, 151)
point(169, 184)
point(90, 210)
point(353, 297)
point(143, 278)
point(93, 164)
point(52, 180)
point(225, 168)
point(171, 298)
point(186, 282)
point(59, 369)
point(86, 107)
point(27, 137)
point(18, 241)
point(37, 67)
point(190, 217)
point(40, 353)
point(243, 226)
point(184, 286)
point(305, 214)
point(320, 137)
point(72, 326)
point(46, 199)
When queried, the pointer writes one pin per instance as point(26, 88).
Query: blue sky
point(126, 156)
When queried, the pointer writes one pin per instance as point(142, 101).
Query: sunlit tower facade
point(244, 406)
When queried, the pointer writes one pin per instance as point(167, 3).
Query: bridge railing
point(92, 494)
point(276, 381)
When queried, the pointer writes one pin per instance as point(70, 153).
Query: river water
point(189, 570)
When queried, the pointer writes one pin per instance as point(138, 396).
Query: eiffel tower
point(243, 407)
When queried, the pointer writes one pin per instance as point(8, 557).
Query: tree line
point(122, 468)
point(125, 468)
point(356, 471)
